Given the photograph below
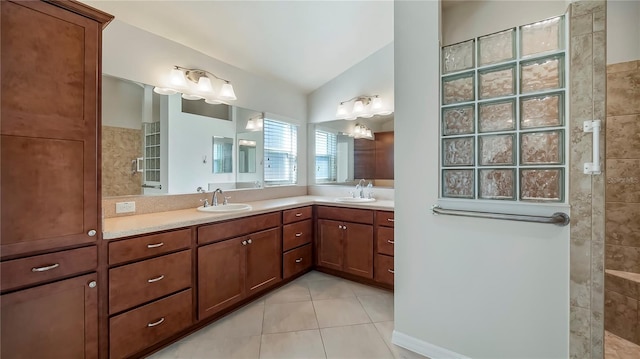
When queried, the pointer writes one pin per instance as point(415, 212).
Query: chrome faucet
point(215, 196)
point(360, 187)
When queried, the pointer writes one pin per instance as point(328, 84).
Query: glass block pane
point(497, 184)
point(496, 47)
point(541, 37)
point(496, 150)
point(497, 116)
point(542, 74)
point(541, 111)
point(541, 148)
point(458, 151)
point(457, 57)
point(541, 184)
point(458, 88)
point(458, 120)
point(457, 183)
point(497, 82)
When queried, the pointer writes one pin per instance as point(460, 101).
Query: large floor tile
point(182, 349)
point(293, 292)
point(245, 322)
point(360, 289)
point(289, 317)
point(386, 330)
point(330, 288)
point(227, 348)
point(313, 276)
point(355, 341)
point(292, 345)
point(378, 307)
point(340, 311)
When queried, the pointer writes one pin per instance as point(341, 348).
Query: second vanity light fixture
point(255, 123)
point(195, 84)
point(361, 106)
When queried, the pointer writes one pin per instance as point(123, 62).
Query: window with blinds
point(280, 153)
point(326, 156)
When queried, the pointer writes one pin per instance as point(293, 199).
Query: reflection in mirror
point(344, 153)
point(222, 154)
point(154, 144)
point(246, 156)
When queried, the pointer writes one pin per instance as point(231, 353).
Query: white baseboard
point(423, 348)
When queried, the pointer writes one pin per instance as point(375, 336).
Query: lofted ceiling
point(303, 43)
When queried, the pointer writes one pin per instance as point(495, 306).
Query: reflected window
point(326, 156)
point(280, 153)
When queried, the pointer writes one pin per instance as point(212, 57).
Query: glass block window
point(151, 132)
point(503, 115)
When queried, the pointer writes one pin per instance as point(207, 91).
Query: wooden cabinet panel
point(296, 214)
point(58, 320)
point(329, 244)
point(346, 214)
point(221, 276)
point(264, 268)
point(385, 218)
point(384, 155)
point(384, 271)
point(296, 234)
point(148, 246)
point(140, 328)
point(47, 267)
point(358, 249)
point(140, 282)
point(364, 158)
point(296, 261)
point(385, 240)
point(237, 227)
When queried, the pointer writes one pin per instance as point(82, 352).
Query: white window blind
point(280, 153)
point(326, 156)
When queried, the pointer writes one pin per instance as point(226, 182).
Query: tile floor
point(315, 316)
point(618, 348)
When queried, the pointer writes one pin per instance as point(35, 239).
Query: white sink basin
point(222, 208)
point(355, 200)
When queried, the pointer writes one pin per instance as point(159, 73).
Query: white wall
point(623, 31)
point(122, 103)
point(478, 288)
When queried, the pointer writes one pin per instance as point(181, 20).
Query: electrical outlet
point(125, 207)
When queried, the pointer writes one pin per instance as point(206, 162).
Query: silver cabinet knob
point(249, 241)
point(92, 284)
point(244, 243)
point(92, 233)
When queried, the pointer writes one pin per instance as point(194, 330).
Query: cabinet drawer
point(296, 234)
point(384, 218)
point(296, 214)
point(148, 246)
point(144, 281)
point(296, 261)
point(140, 328)
point(385, 241)
point(383, 272)
point(237, 227)
point(38, 269)
point(346, 214)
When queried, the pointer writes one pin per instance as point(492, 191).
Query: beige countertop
point(119, 227)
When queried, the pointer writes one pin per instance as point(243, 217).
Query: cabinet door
point(221, 276)
point(58, 320)
point(329, 239)
point(358, 249)
point(264, 260)
point(50, 86)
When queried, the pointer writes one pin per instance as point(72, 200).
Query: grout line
point(324, 349)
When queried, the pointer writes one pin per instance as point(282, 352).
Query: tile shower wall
point(586, 193)
point(120, 146)
point(622, 215)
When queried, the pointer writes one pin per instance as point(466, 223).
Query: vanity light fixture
point(361, 131)
point(364, 106)
point(195, 84)
point(255, 123)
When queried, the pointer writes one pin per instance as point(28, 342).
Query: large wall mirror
point(154, 144)
point(347, 151)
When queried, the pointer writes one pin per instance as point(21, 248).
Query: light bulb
point(369, 134)
point(250, 125)
point(342, 111)
point(204, 85)
point(177, 79)
point(227, 93)
point(259, 123)
point(377, 103)
point(358, 107)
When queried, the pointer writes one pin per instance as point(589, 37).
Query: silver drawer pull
point(45, 268)
point(390, 220)
point(298, 214)
point(299, 260)
point(156, 323)
point(391, 271)
point(299, 234)
point(390, 241)
point(153, 280)
point(155, 245)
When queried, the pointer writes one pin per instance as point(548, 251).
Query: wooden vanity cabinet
point(385, 243)
point(297, 236)
point(345, 240)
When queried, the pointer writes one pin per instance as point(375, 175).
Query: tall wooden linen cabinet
point(50, 214)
